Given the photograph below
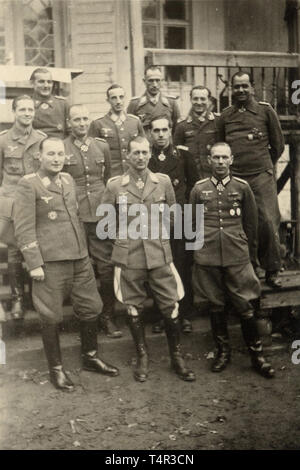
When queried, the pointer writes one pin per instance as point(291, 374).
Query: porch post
point(136, 46)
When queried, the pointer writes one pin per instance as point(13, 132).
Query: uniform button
point(87, 167)
point(221, 220)
point(220, 194)
point(221, 228)
point(88, 192)
point(123, 150)
point(87, 184)
point(220, 211)
point(220, 202)
point(122, 129)
point(123, 140)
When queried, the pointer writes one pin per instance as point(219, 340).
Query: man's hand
point(37, 274)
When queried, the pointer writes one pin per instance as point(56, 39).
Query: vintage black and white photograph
point(150, 227)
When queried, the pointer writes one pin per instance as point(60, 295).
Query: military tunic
point(145, 109)
point(145, 257)
point(198, 134)
point(117, 136)
point(256, 141)
point(222, 266)
point(51, 116)
point(89, 163)
point(50, 234)
point(19, 155)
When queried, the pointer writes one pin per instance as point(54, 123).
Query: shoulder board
point(63, 173)
point(114, 178)
point(240, 180)
point(4, 132)
point(133, 116)
point(60, 97)
point(182, 147)
point(227, 108)
point(172, 97)
point(162, 174)
point(181, 119)
point(264, 102)
point(135, 98)
point(30, 175)
point(101, 140)
point(202, 181)
point(217, 114)
point(41, 132)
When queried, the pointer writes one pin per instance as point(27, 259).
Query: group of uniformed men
point(146, 156)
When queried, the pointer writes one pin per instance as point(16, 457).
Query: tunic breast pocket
point(13, 164)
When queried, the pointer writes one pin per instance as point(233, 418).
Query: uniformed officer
point(88, 162)
point(178, 163)
point(51, 112)
point(144, 257)
point(52, 240)
point(153, 103)
point(19, 155)
point(253, 131)
point(222, 266)
point(198, 131)
point(117, 128)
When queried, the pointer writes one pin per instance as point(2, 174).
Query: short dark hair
point(112, 87)
point(138, 138)
point(54, 139)
point(19, 98)
point(39, 70)
point(217, 144)
point(151, 67)
point(240, 73)
point(162, 116)
point(200, 87)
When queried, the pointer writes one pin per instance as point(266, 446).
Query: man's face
point(52, 157)
point(24, 112)
point(241, 88)
point(160, 133)
point(139, 155)
point(43, 84)
point(116, 99)
point(220, 161)
point(200, 101)
point(153, 81)
point(79, 121)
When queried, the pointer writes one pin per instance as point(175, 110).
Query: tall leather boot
point(89, 350)
point(16, 281)
point(138, 334)
point(251, 338)
point(58, 376)
point(172, 327)
point(105, 318)
point(219, 328)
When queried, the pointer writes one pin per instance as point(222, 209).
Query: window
point(166, 24)
point(38, 32)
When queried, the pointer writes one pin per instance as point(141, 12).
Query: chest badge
point(232, 212)
point(161, 157)
point(238, 211)
point(12, 148)
point(220, 187)
point(44, 105)
point(52, 215)
point(46, 199)
point(59, 127)
point(84, 148)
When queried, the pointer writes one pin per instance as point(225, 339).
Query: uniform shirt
point(147, 252)
point(179, 165)
point(254, 135)
point(117, 135)
point(198, 134)
point(88, 163)
point(145, 109)
point(47, 226)
point(230, 221)
point(19, 155)
point(51, 116)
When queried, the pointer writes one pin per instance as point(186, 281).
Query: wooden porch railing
point(272, 72)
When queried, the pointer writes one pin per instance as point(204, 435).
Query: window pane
point(150, 36)
point(149, 9)
point(38, 32)
point(174, 9)
point(175, 38)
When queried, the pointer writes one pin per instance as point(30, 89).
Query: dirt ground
point(236, 409)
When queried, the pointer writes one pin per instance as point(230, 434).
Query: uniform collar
point(153, 99)
point(251, 106)
point(17, 133)
point(83, 146)
point(148, 174)
point(117, 118)
point(38, 100)
point(224, 181)
point(209, 116)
